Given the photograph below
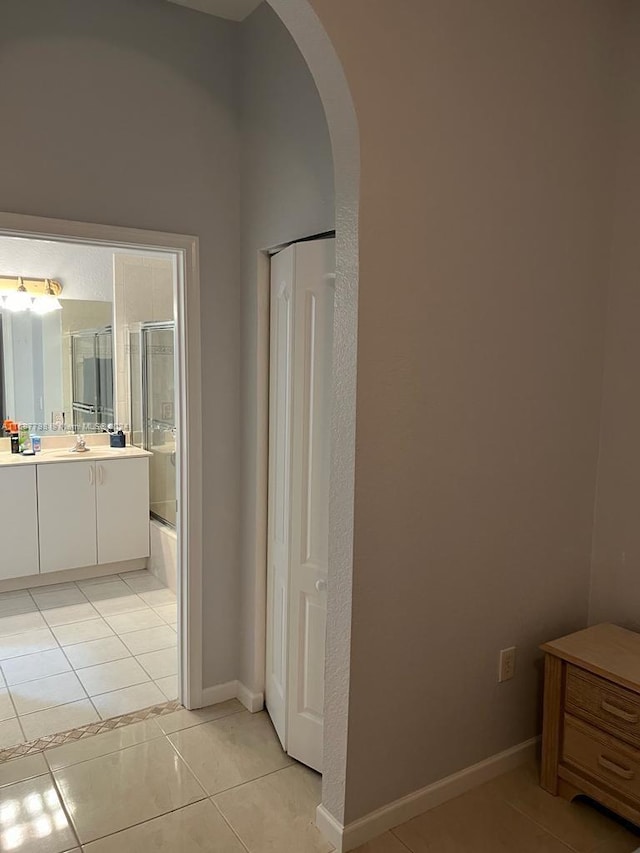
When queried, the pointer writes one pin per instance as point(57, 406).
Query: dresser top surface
point(606, 650)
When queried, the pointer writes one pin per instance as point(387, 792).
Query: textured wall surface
point(86, 272)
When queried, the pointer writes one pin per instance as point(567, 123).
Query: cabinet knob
point(321, 585)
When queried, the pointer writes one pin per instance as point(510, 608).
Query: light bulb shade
point(45, 304)
point(18, 300)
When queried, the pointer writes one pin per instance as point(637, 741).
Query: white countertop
point(62, 454)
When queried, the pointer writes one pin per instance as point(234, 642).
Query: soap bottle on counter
point(25, 439)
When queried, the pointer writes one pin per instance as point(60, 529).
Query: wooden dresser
point(591, 731)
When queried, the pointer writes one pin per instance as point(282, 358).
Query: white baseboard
point(65, 575)
point(253, 702)
point(331, 829)
point(218, 693)
point(345, 838)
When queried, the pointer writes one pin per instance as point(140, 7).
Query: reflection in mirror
point(56, 370)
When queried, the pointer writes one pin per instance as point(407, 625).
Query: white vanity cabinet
point(62, 513)
point(92, 513)
point(122, 492)
point(67, 515)
point(18, 523)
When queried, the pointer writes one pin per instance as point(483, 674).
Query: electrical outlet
point(507, 666)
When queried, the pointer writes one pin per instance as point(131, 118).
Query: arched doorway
point(313, 42)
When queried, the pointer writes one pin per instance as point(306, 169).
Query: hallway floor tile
point(143, 789)
point(73, 653)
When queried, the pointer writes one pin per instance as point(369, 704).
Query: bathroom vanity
point(63, 510)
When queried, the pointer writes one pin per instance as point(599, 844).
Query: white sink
point(63, 451)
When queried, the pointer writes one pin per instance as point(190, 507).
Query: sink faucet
point(80, 445)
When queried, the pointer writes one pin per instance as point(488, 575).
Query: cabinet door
point(18, 522)
point(67, 515)
point(123, 509)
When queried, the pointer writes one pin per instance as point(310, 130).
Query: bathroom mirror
point(56, 370)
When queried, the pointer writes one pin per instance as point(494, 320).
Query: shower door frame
point(153, 326)
point(188, 419)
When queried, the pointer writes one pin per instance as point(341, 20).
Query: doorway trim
point(189, 420)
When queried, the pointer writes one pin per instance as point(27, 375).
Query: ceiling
point(233, 10)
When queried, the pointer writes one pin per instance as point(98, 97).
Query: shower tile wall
point(143, 292)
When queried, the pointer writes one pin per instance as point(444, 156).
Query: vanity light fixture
point(18, 300)
point(39, 295)
point(47, 303)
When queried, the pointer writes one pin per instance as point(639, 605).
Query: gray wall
point(287, 193)
point(125, 113)
point(615, 594)
point(484, 225)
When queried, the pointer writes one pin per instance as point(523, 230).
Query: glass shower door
point(159, 423)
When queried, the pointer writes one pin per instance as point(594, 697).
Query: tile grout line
point(250, 781)
point(35, 604)
point(59, 648)
point(103, 754)
point(228, 823)
point(84, 732)
point(532, 820)
point(72, 586)
point(64, 806)
point(153, 719)
point(545, 829)
point(207, 797)
point(73, 669)
point(393, 832)
point(15, 711)
point(76, 669)
point(197, 778)
point(204, 798)
point(142, 822)
point(86, 696)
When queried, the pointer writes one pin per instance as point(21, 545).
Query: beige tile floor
point(74, 653)
point(216, 781)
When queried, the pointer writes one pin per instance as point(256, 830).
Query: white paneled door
point(279, 521)
point(302, 300)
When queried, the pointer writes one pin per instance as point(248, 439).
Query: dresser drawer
point(604, 704)
point(602, 757)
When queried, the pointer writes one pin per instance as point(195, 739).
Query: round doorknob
point(321, 585)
